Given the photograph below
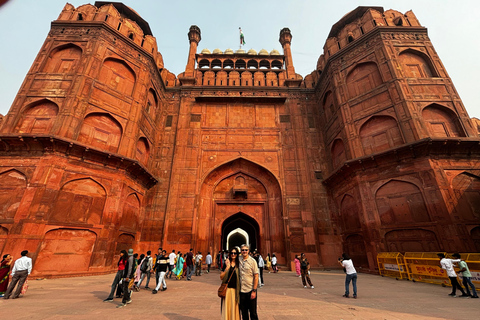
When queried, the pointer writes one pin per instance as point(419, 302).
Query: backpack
point(144, 265)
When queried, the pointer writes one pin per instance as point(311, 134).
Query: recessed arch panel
point(63, 59)
point(38, 118)
point(100, 130)
point(416, 64)
point(466, 188)
point(380, 133)
point(13, 184)
point(363, 78)
point(441, 121)
point(117, 75)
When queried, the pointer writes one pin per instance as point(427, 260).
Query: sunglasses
point(233, 253)
point(244, 250)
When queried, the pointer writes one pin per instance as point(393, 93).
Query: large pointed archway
point(240, 229)
point(241, 195)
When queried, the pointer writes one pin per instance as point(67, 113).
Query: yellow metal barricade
point(391, 264)
point(425, 267)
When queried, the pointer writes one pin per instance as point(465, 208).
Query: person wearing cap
point(128, 274)
point(467, 276)
point(21, 269)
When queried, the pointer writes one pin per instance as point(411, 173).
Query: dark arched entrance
point(239, 229)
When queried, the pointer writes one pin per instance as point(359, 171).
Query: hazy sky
point(452, 27)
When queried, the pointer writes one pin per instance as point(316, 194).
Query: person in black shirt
point(231, 275)
point(161, 267)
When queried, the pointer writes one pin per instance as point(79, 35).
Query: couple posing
point(241, 276)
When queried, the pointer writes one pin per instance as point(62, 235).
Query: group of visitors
point(241, 274)
point(19, 273)
point(132, 271)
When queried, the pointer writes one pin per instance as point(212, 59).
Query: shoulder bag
point(222, 291)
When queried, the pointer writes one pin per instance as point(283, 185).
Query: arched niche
point(117, 74)
point(380, 133)
point(363, 78)
point(12, 187)
point(79, 201)
point(441, 121)
point(65, 251)
point(411, 240)
point(338, 153)
point(328, 105)
point(143, 150)
point(38, 117)
point(246, 78)
point(130, 213)
point(355, 247)
point(152, 102)
point(63, 59)
point(259, 79)
point(350, 214)
point(466, 187)
point(400, 202)
point(416, 64)
point(101, 130)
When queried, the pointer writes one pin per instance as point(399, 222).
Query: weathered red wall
point(104, 149)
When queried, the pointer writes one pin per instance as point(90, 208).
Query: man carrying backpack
point(161, 267)
point(146, 268)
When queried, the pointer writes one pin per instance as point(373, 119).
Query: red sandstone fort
point(104, 149)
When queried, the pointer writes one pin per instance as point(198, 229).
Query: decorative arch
point(338, 153)
point(412, 240)
point(65, 251)
point(466, 188)
point(416, 64)
point(101, 130)
point(118, 75)
point(262, 202)
point(441, 121)
point(252, 64)
point(204, 64)
point(380, 133)
point(400, 202)
point(216, 64)
point(264, 64)
point(246, 77)
point(13, 184)
point(38, 117)
point(363, 78)
point(130, 213)
point(228, 64)
point(355, 247)
point(240, 64)
point(80, 201)
point(63, 59)
point(328, 105)
point(143, 150)
point(152, 102)
point(350, 214)
point(243, 225)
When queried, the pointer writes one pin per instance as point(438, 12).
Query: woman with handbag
point(229, 291)
point(5, 267)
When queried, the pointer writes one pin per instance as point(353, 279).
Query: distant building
point(104, 149)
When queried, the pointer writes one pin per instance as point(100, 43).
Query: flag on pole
point(242, 37)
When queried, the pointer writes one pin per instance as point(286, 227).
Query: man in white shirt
point(21, 269)
point(198, 264)
point(171, 263)
point(249, 283)
point(447, 264)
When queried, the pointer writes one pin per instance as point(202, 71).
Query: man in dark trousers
point(189, 261)
point(21, 270)
point(249, 283)
point(128, 275)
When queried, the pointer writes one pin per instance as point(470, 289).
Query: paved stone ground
point(282, 297)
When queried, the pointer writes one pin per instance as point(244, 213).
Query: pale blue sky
point(452, 26)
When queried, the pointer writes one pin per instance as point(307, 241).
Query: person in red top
point(122, 262)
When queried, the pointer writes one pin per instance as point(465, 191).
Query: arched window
point(276, 64)
point(380, 133)
point(117, 75)
point(400, 202)
point(79, 201)
point(63, 59)
point(216, 64)
point(416, 64)
point(228, 64)
point(441, 121)
point(363, 78)
point(38, 118)
point(204, 64)
point(240, 64)
point(252, 64)
point(101, 131)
